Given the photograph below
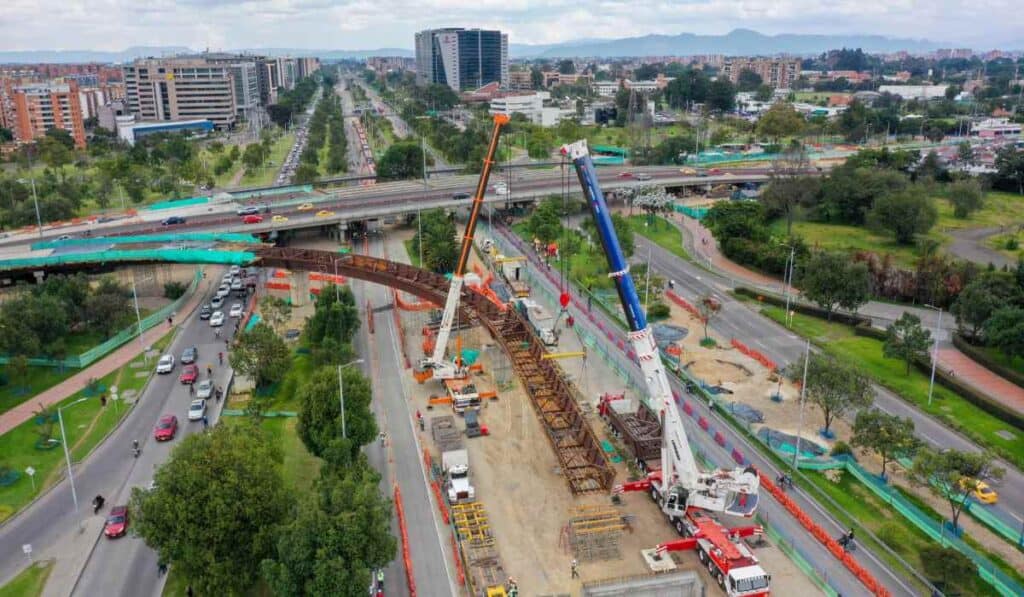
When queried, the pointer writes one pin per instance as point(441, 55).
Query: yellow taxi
point(981, 491)
point(688, 171)
point(306, 207)
point(323, 213)
point(279, 219)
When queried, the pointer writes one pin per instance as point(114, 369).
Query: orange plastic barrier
point(322, 277)
point(824, 538)
point(458, 561)
point(440, 501)
point(405, 542)
point(417, 306)
point(281, 273)
point(757, 356)
point(279, 285)
point(675, 298)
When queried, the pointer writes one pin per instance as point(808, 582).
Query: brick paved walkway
point(115, 360)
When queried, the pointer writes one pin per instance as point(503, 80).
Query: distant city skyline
point(357, 24)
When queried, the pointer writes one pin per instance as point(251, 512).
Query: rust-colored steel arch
point(556, 401)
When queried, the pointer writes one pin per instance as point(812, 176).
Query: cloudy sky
point(367, 24)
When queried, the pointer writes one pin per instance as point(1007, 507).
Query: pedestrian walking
point(191, 389)
point(220, 355)
point(209, 371)
point(575, 569)
point(103, 399)
point(170, 321)
point(218, 393)
point(206, 422)
point(161, 568)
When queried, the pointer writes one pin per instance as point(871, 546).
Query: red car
point(189, 374)
point(625, 175)
point(715, 171)
point(252, 219)
point(117, 522)
point(166, 428)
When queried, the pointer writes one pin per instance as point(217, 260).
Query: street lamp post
point(800, 419)
point(67, 454)
point(341, 393)
point(35, 199)
point(935, 351)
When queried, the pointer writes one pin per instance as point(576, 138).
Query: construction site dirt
point(517, 479)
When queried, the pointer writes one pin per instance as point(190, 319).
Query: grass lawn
point(268, 173)
point(815, 97)
point(30, 582)
point(838, 237)
point(1000, 209)
point(1017, 363)
point(954, 410)
point(1002, 242)
point(890, 527)
point(661, 232)
point(39, 380)
point(410, 249)
point(87, 424)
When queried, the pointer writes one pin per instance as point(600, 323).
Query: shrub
point(892, 535)
point(658, 311)
point(840, 448)
point(174, 290)
point(1012, 244)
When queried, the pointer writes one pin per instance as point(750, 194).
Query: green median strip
point(30, 582)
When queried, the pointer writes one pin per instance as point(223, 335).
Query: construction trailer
point(684, 493)
point(542, 321)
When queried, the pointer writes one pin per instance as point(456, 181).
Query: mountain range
point(739, 42)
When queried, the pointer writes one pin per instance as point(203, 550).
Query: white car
point(224, 290)
point(236, 284)
point(500, 189)
point(217, 302)
point(236, 310)
point(217, 319)
point(226, 279)
point(234, 270)
point(204, 389)
point(165, 364)
point(196, 410)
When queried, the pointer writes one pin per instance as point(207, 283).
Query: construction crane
point(442, 369)
point(681, 489)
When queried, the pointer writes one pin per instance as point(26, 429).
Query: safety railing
point(173, 237)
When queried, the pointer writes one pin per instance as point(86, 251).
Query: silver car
point(165, 364)
point(204, 389)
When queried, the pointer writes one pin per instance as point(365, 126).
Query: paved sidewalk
point(115, 360)
point(950, 358)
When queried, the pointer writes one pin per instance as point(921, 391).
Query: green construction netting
point(168, 255)
point(215, 237)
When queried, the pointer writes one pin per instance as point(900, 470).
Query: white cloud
point(352, 24)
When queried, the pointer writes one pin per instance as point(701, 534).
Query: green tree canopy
point(953, 475)
point(835, 387)
point(261, 355)
point(440, 247)
point(948, 568)
point(780, 120)
point(982, 297)
point(1004, 330)
point(905, 339)
point(887, 435)
point(748, 80)
point(214, 508)
point(831, 280)
point(905, 213)
point(401, 161)
point(967, 197)
point(319, 413)
point(1010, 168)
point(337, 538)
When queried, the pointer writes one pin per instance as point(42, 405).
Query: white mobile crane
point(440, 368)
point(681, 489)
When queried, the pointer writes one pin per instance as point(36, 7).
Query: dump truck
point(542, 321)
point(455, 465)
point(636, 425)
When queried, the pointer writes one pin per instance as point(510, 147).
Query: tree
point(884, 434)
point(566, 67)
point(536, 78)
point(18, 372)
point(953, 475)
point(781, 120)
point(835, 387)
point(319, 413)
point(305, 173)
point(440, 249)
point(337, 538)
point(721, 95)
point(401, 161)
point(708, 307)
point(905, 213)
point(982, 297)
point(1004, 330)
point(254, 155)
point(905, 339)
point(964, 153)
point(831, 280)
point(966, 196)
point(213, 511)
point(763, 94)
point(55, 153)
point(1010, 167)
point(748, 80)
point(106, 309)
point(545, 223)
point(32, 325)
point(947, 567)
point(336, 316)
point(789, 187)
point(275, 310)
point(261, 355)
point(850, 190)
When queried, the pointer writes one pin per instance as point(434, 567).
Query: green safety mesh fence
point(184, 255)
point(696, 213)
point(173, 203)
point(210, 237)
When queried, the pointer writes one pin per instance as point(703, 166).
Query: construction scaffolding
point(483, 566)
point(593, 532)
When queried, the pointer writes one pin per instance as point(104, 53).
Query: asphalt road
point(737, 320)
point(968, 244)
point(840, 578)
point(401, 128)
point(123, 566)
point(402, 461)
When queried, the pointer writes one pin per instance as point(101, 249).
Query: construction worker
point(575, 568)
point(380, 578)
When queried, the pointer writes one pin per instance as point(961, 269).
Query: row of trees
point(37, 321)
point(435, 239)
point(326, 126)
point(222, 513)
point(990, 311)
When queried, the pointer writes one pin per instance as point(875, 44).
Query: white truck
point(541, 320)
point(455, 464)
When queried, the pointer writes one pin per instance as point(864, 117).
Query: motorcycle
point(97, 503)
